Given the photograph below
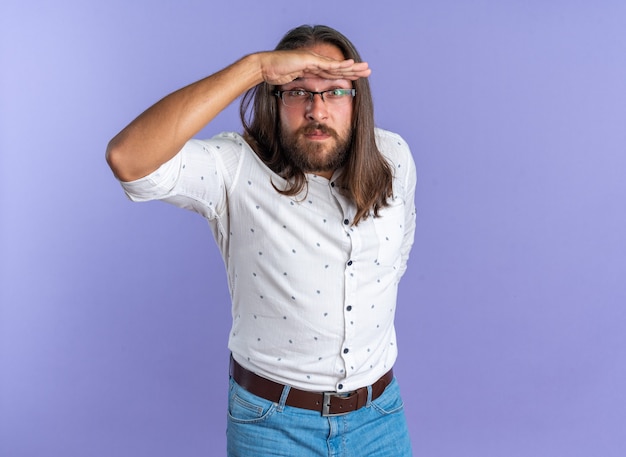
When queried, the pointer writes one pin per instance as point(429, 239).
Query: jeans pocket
point(390, 401)
point(244, 407)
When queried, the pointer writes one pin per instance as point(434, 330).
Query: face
point(316, 136)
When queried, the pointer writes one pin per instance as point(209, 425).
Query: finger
point(345, 65)
point(344, 73)
point(339, 67)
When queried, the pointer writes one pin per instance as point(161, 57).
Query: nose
point(316, 108)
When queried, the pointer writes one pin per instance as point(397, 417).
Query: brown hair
point(367, 176)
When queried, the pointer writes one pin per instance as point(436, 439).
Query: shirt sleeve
point(399, 154)
point(409, 206)
point(196, 178)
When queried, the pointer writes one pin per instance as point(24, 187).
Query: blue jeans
point(261, 428)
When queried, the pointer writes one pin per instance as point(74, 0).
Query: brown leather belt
point(327, 403)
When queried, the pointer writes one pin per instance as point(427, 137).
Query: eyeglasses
point(301, 97)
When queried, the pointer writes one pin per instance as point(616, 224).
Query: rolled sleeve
point(192, 179)
point(157, 184)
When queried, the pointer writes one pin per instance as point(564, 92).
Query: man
point(312, 209)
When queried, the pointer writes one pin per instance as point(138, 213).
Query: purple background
point(114, 316)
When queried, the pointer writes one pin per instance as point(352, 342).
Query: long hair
point(367, 176)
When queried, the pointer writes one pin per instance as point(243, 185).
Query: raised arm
point(160, 132)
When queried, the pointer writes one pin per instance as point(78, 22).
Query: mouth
point(317, 133)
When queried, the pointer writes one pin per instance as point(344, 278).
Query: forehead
point(326, 50)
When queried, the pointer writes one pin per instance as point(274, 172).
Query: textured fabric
point(313, 297)
point(260, 428)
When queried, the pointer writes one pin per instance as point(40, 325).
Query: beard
point(315, 156)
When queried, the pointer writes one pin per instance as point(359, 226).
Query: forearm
point(160, 132)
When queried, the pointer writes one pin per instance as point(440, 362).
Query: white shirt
point(313, 297)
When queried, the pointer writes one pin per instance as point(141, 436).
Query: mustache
point(317, 127)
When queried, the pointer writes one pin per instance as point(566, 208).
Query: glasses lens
point(295, 97)
point(339, 96)
point(301, 97)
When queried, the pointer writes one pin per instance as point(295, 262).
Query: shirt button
point(340, 386)
point(349, 308)
point(349, 262)
point(332, 184)
point(346, 221)
point(346, 350)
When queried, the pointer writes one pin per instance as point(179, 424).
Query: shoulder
point(388, 138)
point(230, 142)
point(228, 149)
point(396, 150)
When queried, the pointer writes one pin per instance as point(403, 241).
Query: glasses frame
point(312, 94)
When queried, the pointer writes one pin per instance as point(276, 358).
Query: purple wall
point(114, 316)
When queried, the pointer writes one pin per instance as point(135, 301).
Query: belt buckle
point(326, 405)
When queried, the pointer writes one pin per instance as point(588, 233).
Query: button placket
point(350, 281)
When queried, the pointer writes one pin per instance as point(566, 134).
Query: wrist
point(252, 69)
